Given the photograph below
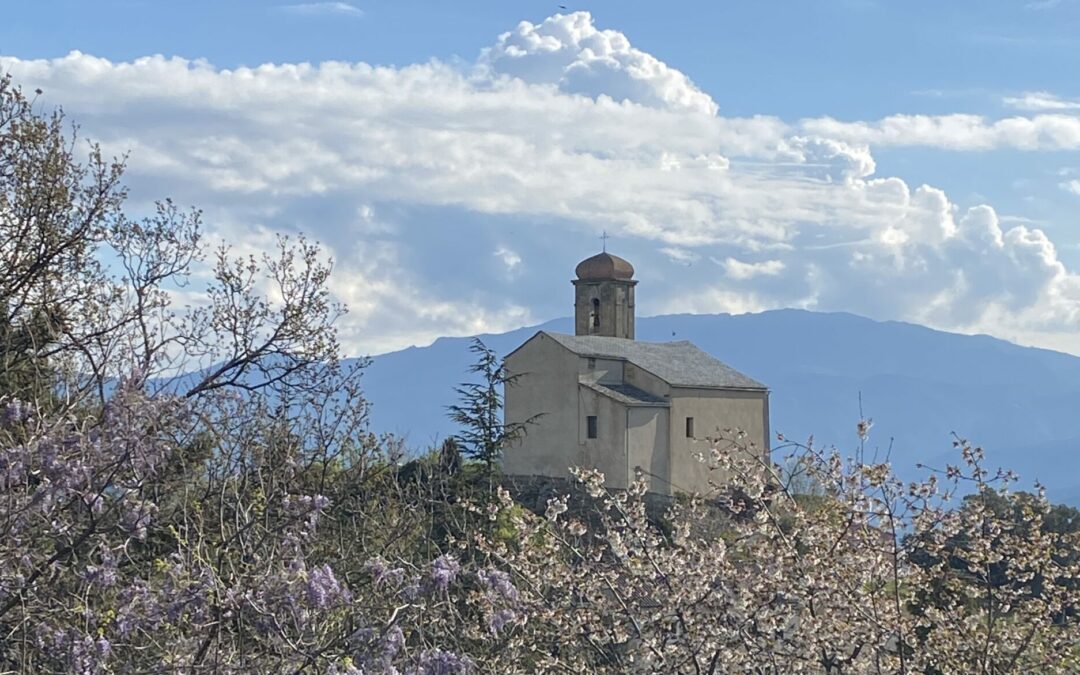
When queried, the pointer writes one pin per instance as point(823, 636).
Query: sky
point(915, 161)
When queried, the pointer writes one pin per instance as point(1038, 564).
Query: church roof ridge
point(680, 364)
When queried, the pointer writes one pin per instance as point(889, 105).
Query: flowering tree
point(878, 576)
point(109, 468)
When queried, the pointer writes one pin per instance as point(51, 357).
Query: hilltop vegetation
point(248, 521)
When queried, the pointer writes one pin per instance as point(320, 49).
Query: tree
point(484, 434)
point(826, 588)
point(110, 463)
point(54, 213)
point(449, 457)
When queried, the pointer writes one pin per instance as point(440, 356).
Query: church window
point(689, 427)
point(592, 363)
point(595, 313)
point(590, 426)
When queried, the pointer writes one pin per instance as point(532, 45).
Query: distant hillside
point(917, 384)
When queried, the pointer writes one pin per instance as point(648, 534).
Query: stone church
point(614, 403)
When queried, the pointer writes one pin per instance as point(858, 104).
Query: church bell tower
point(604, 297)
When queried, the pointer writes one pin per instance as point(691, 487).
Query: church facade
point(616, 404)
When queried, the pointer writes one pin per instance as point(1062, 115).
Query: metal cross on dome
point(604, 237)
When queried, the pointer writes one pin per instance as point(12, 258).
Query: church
point(613, 403)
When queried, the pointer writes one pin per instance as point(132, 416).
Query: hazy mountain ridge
point(917, 384)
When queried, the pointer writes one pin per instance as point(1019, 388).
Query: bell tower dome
point(604, 297)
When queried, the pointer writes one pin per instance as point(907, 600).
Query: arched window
point(595, 313)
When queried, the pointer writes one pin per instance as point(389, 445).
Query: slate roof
point(627, 394)
point(680, 364)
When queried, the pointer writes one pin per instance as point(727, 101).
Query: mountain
point(917, 384)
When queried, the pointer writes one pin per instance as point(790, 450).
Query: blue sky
point(914, 161)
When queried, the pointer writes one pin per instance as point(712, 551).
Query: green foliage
point(483, 434)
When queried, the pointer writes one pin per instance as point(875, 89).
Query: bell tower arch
point(604, 297)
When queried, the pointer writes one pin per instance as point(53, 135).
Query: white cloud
point(378, 289)
point(737, 269)
point(955, 132)
point(509, 258)
point(571, 53)
point(415, 178)
point(679, 255)
point(719, 300)
point(331, 8)
point(1040, 101)
point(834, 158)
point(1072, 186)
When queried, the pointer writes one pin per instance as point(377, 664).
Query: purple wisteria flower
point(309, 507)
point(393, 641)
point(13, 463)
point(444, 570)
point(500, 619)
point(81, 653)
point(324, 590)
point(498, 584)
point(378, 650)
point(104, 574)
point(382, 573)
point(412, 590)
point(139, 610)
point(438, 662)
point(15, 411)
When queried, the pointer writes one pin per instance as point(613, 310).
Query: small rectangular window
point(689, 427)
point(590, 426)
point(592, 363)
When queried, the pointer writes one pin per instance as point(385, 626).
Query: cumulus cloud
point(1072, 186)
point(457, 199)
point(829, 159)
point(571, 53)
